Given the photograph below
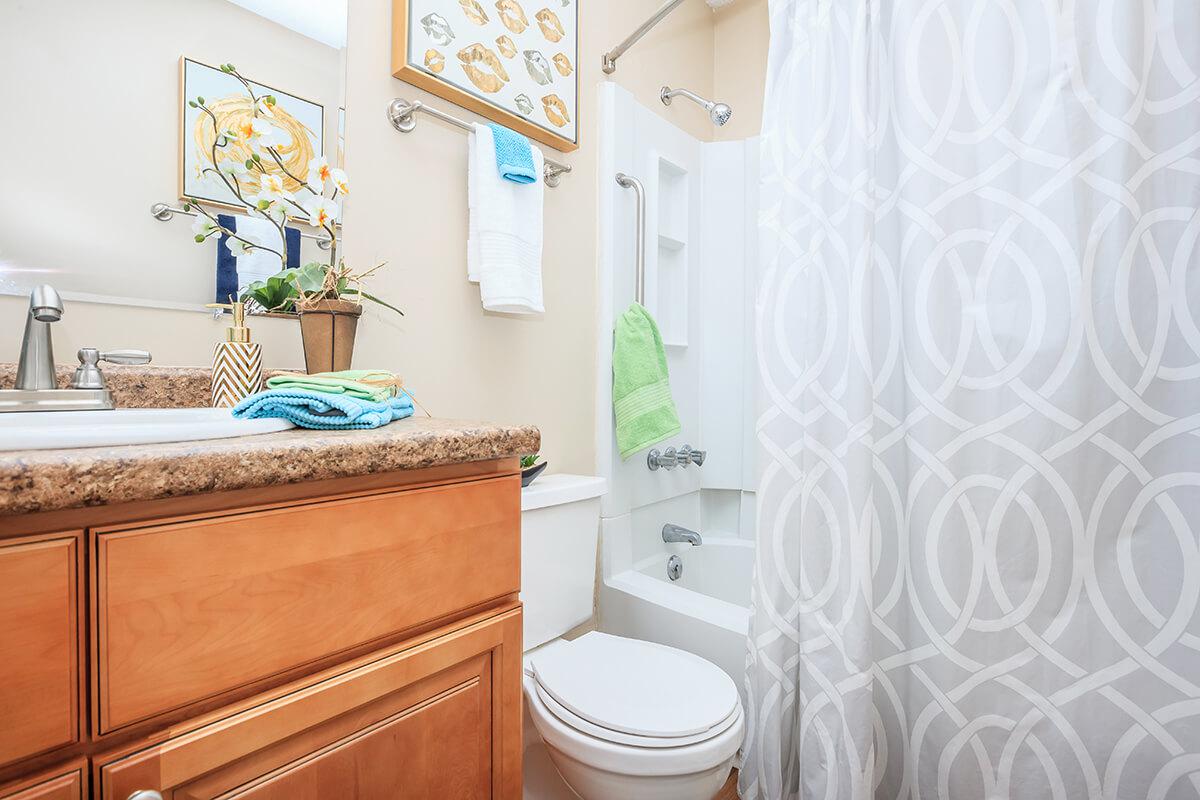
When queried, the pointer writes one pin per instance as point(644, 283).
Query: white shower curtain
point(978, 324)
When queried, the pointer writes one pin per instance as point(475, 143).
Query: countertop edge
point(60, 480)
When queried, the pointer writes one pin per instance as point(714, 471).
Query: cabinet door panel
point(70, 785)
point(437, 751)
point(39, 645)
point(188, 611)
point(438, 720)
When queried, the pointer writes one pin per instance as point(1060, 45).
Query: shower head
point(719, 113)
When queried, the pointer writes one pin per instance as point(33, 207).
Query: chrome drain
point(674, 567)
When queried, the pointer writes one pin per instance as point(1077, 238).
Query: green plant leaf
point(374, 299)
point(276, 293)
point(310, 278)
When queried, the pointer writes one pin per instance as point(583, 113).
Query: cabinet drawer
point(39, 645)
point(440, 720)
point(64, 786)
point(190, 610)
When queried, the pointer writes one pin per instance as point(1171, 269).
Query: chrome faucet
point(36, 387)
point(35, 371)
point(677, 533)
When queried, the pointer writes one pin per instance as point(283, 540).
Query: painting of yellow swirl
point(230, 112)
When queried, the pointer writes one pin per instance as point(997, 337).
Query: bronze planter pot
point(327, 328)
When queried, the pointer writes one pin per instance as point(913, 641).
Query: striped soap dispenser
point(237, 362)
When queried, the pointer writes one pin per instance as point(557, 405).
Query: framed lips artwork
point(511, 61)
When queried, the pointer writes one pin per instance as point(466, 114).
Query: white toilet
point(619, 718)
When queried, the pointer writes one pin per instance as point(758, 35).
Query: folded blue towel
point(323, 411)
point(514, 159)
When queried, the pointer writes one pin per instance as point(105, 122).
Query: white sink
point(48, 430)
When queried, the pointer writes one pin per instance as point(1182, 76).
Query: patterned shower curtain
point(978, 333)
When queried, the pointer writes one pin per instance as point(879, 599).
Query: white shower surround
point(700, 240)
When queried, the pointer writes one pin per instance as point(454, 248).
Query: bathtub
point(706, 611)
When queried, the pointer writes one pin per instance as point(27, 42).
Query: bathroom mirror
point(98, 130)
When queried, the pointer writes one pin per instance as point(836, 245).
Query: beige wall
point(409, 209)
point(98, 142)
point(740, 36)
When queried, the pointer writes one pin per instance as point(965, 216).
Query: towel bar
point(402, 114)
point(164, 212)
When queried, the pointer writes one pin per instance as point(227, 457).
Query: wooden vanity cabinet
point(343, 639)
point(432, 721)
point(40, 644)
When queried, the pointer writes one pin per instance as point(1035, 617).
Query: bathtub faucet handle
point(687, 456)
point(667, 460)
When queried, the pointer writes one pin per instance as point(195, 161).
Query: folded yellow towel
point(365, 384)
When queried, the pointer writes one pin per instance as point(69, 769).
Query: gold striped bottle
point(237, 362)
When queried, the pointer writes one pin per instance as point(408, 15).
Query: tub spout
point(678, 533)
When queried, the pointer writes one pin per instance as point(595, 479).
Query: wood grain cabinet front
point(39, 645)
point(440, 720)
point(189, 610)
point(67, 783)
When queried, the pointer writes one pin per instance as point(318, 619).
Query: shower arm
point(609, 64)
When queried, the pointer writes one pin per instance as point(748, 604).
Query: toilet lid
point(635, 687)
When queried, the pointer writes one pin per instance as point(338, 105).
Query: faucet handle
point(687, 456)
point(88, 374)
point(667, 460)
point(123, 356)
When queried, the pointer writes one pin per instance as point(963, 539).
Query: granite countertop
point(50, 480)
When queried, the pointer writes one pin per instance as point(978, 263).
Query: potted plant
point(531, 469)
point(326, 297)
point(328, 300)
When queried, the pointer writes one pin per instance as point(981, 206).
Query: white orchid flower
point(271, 205)
point(321, 211)
point(318, 173)
point(231, 167)
point(341, 181)
point(203, 226)
point(271, 186)
point(254, 129)
point(238, 247)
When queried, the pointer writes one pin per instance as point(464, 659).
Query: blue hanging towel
point(514, 158)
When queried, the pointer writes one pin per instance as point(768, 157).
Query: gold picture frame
point(186, 133)
point(469, 56)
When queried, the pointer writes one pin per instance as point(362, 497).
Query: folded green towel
point(642, 403)
point(365, 384)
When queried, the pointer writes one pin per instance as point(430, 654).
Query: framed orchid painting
point(511, 61)
point(296, 131)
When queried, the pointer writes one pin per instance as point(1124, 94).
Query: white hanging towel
point(258, 265)
point(504, 236)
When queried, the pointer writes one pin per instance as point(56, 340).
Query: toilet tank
point(560, 523)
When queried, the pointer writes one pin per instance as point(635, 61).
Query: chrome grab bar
point(630, 182)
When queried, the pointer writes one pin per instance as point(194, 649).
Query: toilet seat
point(635, 693)
point(617, 737)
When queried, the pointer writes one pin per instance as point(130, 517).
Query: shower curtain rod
point(609, 64)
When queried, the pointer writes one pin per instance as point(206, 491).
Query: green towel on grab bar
point(642, 403)
point(365, 384)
